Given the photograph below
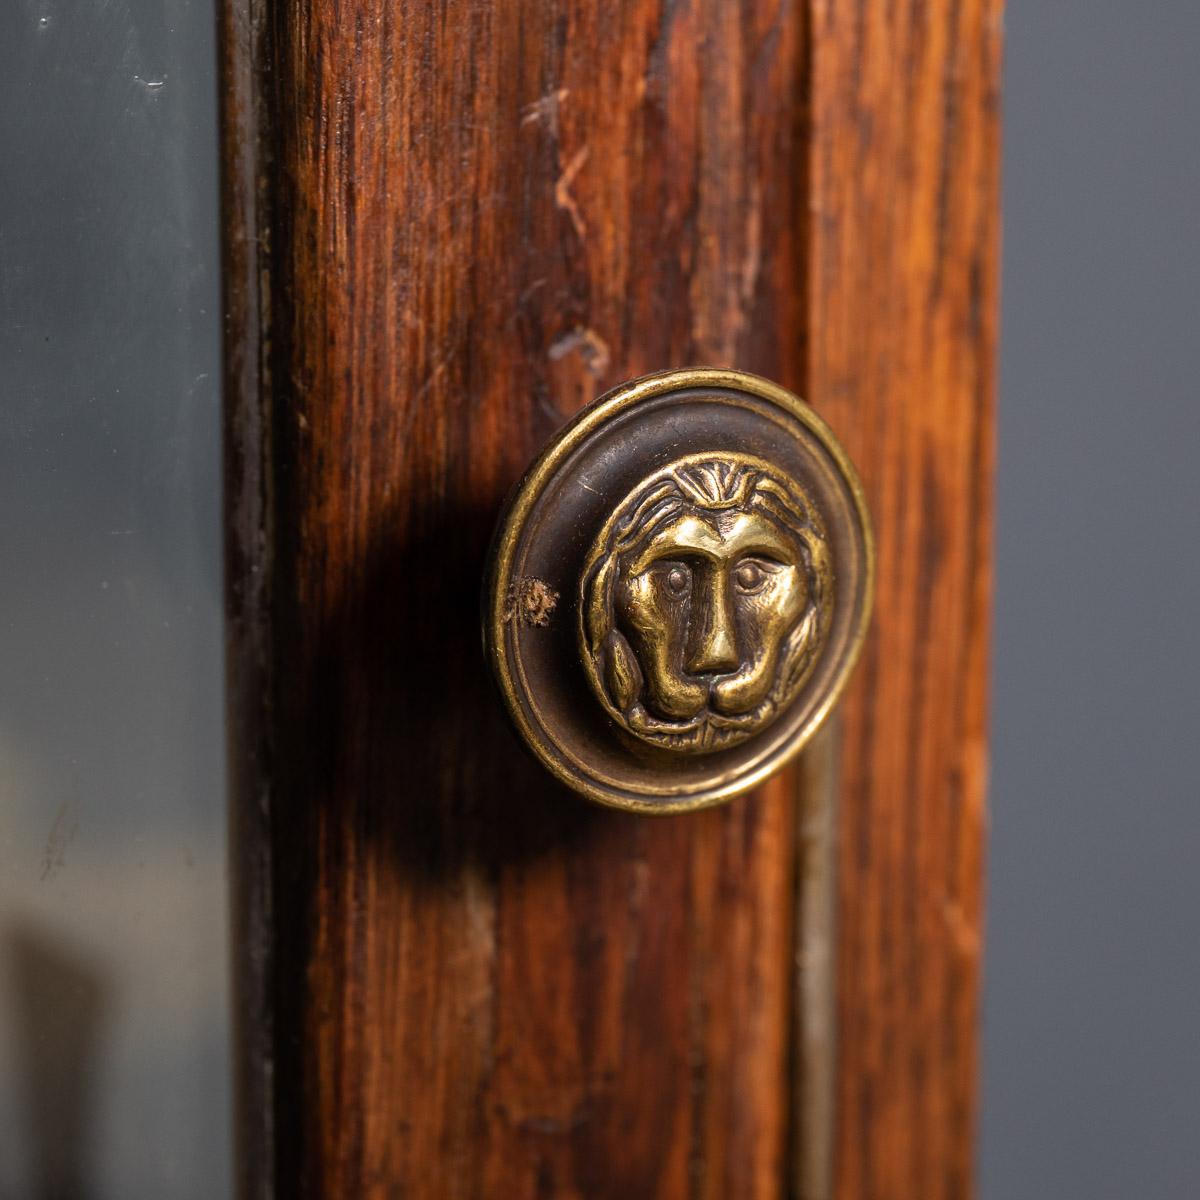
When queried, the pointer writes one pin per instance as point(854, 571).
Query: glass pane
point(114, 1026)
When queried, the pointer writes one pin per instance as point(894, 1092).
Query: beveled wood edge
point(247, 555)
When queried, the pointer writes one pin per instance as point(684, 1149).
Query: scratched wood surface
point(447, 227)
point(474, 218)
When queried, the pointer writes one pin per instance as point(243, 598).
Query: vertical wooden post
point(901, 318)
point(449, 226)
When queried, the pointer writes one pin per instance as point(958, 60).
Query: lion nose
point(711, 648)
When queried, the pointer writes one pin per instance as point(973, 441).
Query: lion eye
point(749, 576)
point(679, 579)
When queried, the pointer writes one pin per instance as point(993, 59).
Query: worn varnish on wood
point(478, 217)
point(448, 227)
point(901, 318)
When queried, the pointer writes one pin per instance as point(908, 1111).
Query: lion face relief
point(704, 601)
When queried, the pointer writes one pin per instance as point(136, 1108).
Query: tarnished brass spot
point(704, 602)
point(679, 589)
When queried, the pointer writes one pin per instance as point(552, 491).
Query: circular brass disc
point(679, 589)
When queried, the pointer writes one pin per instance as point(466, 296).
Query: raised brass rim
point(530, 488)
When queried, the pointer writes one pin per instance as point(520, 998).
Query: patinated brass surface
point(704, 602)
point(678, 589)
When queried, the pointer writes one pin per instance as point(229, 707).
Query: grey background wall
point(1092, 994)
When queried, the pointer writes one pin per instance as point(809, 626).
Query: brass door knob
point(678, 589)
